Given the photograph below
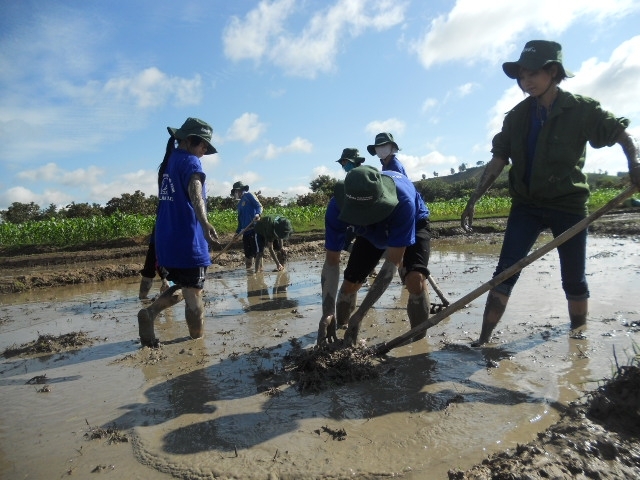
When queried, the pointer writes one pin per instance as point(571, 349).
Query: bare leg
point(418, 311)
point(146, 316)
point(145, 287)
point(194, 311)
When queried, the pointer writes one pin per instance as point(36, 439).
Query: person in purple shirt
point(183, 233)
point(391, 219)
point(385, 147)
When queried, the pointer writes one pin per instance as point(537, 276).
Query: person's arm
point(491, 172)
point(631, 150)
point(200, 209)
point(329, 280)
point(393, 259)
point(272, 252)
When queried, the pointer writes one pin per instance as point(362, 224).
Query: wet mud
point(229, 405)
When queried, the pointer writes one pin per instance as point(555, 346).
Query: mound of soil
point(597, 438)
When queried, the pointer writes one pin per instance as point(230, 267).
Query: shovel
point(235, 237)
point(403, 339)
point(438, 307)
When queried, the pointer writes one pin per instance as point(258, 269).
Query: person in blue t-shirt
point(183, 233)
point(249, 211)
point(385, 148)
point(391, 219)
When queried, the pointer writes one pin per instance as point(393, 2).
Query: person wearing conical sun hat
point(385, 148)
point(544, 138)
point(249, 211)
point(391, 220)
point(183, 233)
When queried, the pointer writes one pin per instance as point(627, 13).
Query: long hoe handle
point(384, 348)
point(235, 237)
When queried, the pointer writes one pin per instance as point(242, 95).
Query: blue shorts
point(524, 226)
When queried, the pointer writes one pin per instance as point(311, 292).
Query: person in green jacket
point(544, 137)
point(271, 230)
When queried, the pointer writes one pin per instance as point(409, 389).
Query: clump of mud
point(318, 369)
point(50, 344)
point(596, 438)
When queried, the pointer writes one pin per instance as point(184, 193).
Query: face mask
point(348, 166)
point(383, 151)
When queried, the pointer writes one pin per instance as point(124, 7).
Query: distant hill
point(473, 173)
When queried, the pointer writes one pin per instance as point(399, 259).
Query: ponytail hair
point(171, 146)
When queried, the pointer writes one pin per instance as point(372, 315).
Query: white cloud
point(246, 128)
point(262, 34)
point(495, 27)
point(417, 166)
point(393, 125)
point(151, 88)
point(297, 145)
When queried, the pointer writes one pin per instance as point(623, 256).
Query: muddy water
point(216, 408)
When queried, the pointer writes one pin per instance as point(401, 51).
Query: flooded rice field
point(220, 407)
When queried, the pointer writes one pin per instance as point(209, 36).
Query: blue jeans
point(524, 225)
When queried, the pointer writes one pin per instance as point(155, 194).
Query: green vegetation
point(132, 215)
point(76, 231)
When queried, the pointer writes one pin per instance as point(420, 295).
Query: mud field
point(80, 397)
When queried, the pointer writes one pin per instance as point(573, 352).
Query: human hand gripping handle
point(466, 220)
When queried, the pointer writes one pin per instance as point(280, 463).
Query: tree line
point(459, 185)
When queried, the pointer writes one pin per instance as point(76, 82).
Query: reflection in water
point(258, 293)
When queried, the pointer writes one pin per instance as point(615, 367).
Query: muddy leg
point(248, 263)
point(194, 311)
point(259, 261)
point(145, 287)
point(578, 311)
point(345, 305)
point(418, 311)
point(493, 311)
point(146, 316)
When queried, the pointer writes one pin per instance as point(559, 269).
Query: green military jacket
point(266, 227)
point(557, 180)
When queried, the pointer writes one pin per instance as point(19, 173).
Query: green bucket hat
point(535, 55)
point(282, 227)
point(381, 139)
point(239, 186)
point(196, 127)
point(369, 196)
point(352, 155)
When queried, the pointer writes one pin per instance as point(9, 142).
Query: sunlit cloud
point(263, 34)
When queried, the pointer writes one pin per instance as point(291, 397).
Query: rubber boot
point(147, 316)
point(345, 306)
point(418, 311)
point(194, 311)
point(578, 312)
point(493, 311)
point(145, 287)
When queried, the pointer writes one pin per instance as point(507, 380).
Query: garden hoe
point(407, 337)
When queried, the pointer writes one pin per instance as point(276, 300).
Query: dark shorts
point(365, 256)
point(187, 277)
point(524, 225)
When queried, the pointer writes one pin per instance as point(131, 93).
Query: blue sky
point(87, 88)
